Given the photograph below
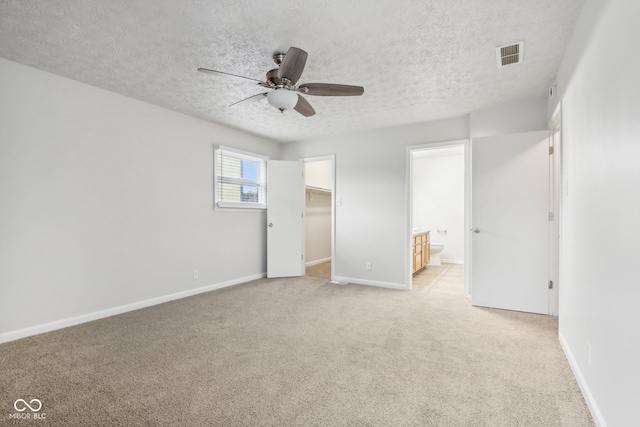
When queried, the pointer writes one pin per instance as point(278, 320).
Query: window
point(240, 179)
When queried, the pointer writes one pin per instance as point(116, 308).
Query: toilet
point(435, 249)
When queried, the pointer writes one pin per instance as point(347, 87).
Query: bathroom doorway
point(319, 217)
point(438, 207)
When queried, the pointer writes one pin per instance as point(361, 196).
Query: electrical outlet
point(195, 275)
point(368, 266)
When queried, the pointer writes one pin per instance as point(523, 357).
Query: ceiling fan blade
point(253, 98)
point(328, 89)
point(232, 76)
point(292, 64)
point(303, 107)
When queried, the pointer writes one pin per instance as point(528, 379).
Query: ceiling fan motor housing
point(272, 77)
point(277, 82)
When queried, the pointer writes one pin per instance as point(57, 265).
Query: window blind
point(241, 179)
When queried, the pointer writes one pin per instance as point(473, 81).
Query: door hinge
point(550, 150)
point(550, 284)
point(302, 257)
point(552, 216)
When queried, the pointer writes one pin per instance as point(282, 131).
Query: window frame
point(239, 206)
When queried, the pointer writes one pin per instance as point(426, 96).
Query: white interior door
point(285, 223)
point(509, 216)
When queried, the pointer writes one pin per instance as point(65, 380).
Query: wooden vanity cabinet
point(421, 251)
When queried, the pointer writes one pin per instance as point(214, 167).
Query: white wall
point(438, 198)
point(599, 87)
point(107, 201)
point(318, 174)
point(512, 117)
point(371, 222)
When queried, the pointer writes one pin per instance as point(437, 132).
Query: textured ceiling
point(417, 60)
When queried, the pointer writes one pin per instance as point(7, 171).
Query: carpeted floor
point(300, 352)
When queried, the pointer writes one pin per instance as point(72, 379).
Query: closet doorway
point(319, 217)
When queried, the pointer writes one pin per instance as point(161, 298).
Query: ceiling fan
point(285, 95)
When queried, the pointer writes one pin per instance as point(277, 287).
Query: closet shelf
point(317, 189)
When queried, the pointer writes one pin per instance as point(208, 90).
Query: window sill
point(240, 206)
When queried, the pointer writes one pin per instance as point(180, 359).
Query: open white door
point(285, 224)
point(510, 194)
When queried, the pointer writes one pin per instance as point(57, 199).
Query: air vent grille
point(510, 54)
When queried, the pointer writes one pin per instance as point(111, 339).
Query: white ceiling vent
point(510, 54)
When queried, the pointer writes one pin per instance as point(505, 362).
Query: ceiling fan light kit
point(285, 95)
point(283, 99)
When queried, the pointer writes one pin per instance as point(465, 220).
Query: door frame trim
point(466, 143)
point(331, 157)
point(557, 185)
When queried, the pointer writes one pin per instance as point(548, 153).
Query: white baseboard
point(388, 285)
point(318, 261)
point(83, 318)
point(452, 261)
point(586, 392)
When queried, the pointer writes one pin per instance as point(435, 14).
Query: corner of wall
point(582, 383)
point(528, 115)
point(583, 32)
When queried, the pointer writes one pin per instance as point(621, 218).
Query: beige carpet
point(300, 352)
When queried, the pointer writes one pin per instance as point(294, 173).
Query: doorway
point(438, 210)
point(319, 217)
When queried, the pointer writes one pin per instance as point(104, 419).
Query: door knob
point(270, 224)
point(475, 230)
